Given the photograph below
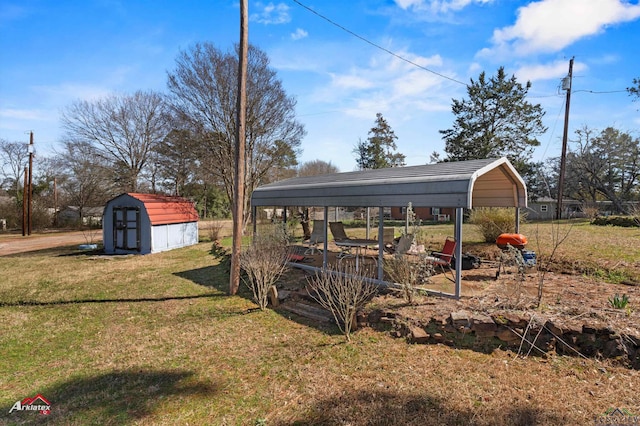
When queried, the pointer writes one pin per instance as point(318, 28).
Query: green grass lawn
point(155, 340)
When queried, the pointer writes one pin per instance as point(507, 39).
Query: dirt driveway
point(15, 243)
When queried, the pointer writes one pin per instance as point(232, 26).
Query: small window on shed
point(543, 208)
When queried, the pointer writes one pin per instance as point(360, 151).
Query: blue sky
point(55, 52)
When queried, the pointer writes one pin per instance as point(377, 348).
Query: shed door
point(126, 228)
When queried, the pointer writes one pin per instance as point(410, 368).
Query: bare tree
point(316, 167)
point(82, 176)
point(123, 129)
point(13, 158)
point(177, 160)
point(604, 165)
point(204, 88)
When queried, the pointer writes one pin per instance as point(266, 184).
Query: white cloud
point(350, 81)
point(389, 84)
point(438, 6)
point(551, 25)
point(555, 70)
point(406, 4)
point(271, 14)
point(23, 114)
point(299, 34)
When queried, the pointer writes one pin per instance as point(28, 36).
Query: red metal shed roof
point(165, 209)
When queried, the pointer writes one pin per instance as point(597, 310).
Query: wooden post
point(238, 195)
point(24, 201)
point(30, 189)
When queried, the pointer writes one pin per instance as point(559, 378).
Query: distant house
point(545, 209)
point(148, 223)
point(91, 216)
point(435, 214)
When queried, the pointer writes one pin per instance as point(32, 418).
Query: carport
point(459, 185)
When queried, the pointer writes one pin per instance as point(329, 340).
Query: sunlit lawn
point(155, 340)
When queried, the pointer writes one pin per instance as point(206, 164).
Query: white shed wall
point(175, 235)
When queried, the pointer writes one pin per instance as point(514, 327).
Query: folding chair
point(444, 258)
point(317, 237)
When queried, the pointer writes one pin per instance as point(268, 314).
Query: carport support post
point(458, 252)
point(325, 245)
point(380, 244)
point(255, 221)
point(517, 220)
point(368, 222)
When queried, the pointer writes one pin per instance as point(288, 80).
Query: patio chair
point(340, 236)
point(317, 237)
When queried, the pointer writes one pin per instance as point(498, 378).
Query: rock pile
point(525, 332)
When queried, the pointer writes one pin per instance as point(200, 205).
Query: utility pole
point(241, 105)
point(24, 201)
point(30, 190)
point(566, 85)
point(55, 202)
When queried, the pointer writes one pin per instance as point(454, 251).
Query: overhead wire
point(402, 58)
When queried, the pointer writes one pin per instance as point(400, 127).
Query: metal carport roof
point(462, 184)
point(459, 185)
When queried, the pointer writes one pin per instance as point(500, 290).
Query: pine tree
point(495, 121)
point(379, 150)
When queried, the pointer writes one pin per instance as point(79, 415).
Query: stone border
point(522, 332)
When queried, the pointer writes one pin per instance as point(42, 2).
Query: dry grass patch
point(169, 347)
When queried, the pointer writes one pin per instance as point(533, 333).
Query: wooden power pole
point(24, 201)
point(238, 195)
point(566, 85)
point(30, 189)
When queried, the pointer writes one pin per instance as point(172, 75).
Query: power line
point(599, 93)
point(425, 68)
point(377, 45)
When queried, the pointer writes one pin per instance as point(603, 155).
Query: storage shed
point(148, 223)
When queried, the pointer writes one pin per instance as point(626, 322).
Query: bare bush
point(634, 212)
point(559, 233)
point(264, 263)
point(342, 292)
point(590, 209)
point(408, 274)
point(90, 234)
point(214, 229)
point(512, 256)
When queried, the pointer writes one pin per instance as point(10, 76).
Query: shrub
point(622, 221)
point(493, 221)
point(342, 292)
point(214, 230)
point(264, 261)
point(408, 274)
